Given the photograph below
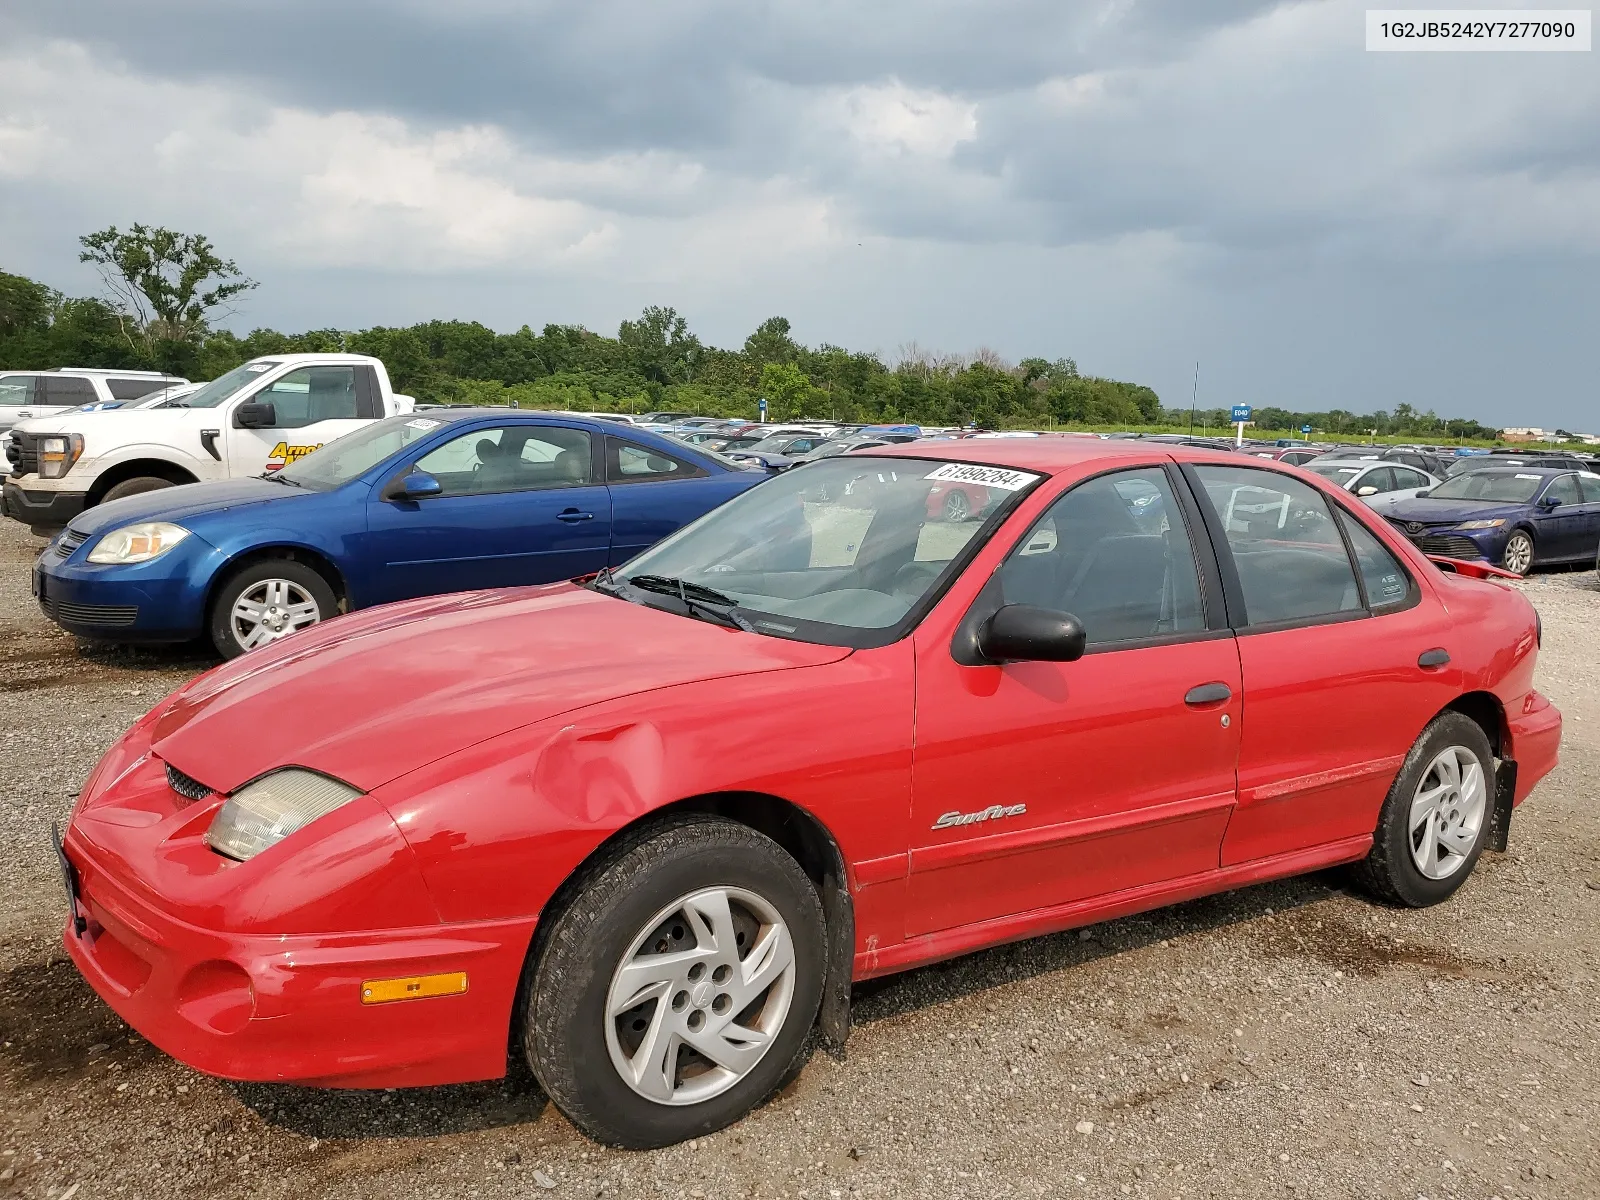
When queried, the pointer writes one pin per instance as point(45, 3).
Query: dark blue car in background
point(1512, 516)
point(413, 505)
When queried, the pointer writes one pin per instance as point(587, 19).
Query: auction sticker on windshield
point(422, 423)
point(995, 477)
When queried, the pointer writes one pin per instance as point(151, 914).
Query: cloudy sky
point(1135, 183)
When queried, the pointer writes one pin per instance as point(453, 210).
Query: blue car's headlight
point(1494, 524)
point(137, 543)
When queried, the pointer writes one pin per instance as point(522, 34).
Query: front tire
point(1518, 554)
point(266, 601)
point(1436, 818)
point(677, 990)
point(136, 486)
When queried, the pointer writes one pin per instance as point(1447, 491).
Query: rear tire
point(1517, 557)
point(1434, 823)
point(136, 486)
point(266, 601)
point(644, 927)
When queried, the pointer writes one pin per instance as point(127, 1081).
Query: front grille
point(185, 785)
point(23, 452)
point(69, 541)
point(1449, 545)
point(104, 616)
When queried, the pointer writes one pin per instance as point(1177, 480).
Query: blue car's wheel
point(1518, 555)
point(266, 601)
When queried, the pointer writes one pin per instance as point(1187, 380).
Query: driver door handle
point(572, 514)
point(1208, 694)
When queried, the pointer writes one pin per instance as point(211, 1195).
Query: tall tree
point(660, 345)
point(771, 343)
point(169, 284)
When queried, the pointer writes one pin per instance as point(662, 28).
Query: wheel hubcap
point(955, 507)
point(700, 995)
point(1447, 812)
point(271, 609)
point(1519, 553)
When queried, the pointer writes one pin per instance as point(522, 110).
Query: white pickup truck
point(254, 419)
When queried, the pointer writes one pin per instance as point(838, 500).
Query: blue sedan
point(408, 506)
point(1513, 516)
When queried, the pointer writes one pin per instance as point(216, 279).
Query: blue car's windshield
point(1499, 487)
point(343, 459)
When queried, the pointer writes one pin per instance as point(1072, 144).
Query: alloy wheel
point(700, 995)
point(1519, 553)
point(271, 609)
point(957, 507)
point(1447, 812)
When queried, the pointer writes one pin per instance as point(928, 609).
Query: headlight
point(263, 813)
point(57, 453)
point(137, 543)
point(1495, 524)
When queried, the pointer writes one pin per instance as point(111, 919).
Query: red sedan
point(647, 828)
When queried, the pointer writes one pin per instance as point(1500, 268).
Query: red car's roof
point(1049, 454)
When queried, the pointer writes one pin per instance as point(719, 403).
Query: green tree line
point(164, 289)
point(1404, 421)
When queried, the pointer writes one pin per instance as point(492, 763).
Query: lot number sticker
point(422, 423)
point(995, 477)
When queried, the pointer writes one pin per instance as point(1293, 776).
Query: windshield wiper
point(696, 597)
point(278, 478)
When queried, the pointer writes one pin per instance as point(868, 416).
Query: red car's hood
point(369, 697)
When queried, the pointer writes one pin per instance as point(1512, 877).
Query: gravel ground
point(1288, 1040)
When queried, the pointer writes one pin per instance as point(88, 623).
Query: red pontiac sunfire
point(645, 830)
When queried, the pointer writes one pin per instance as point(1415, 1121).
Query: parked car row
point(647, 826)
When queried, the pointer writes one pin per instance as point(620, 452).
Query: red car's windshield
point(841, 551)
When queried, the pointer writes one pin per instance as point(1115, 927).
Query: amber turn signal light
point(413, 987)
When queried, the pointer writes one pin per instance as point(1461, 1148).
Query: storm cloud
point(1138, 185)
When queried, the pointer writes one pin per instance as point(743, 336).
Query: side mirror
point(1369, 490)
point(1549, 502)
point(1424, 492)
point(255, 416)
point(1023, 633)
point(417, 485)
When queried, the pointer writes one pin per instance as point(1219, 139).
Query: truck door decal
point(284, 453)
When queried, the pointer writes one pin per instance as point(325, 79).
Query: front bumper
point(273, 1009)
point(40, 510)
point(163, 600)
point(255, 971)
point(1488, 545)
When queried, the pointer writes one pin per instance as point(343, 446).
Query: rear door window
point(628, 462)
point(132, 389)
point(1290, 559)
point(67, 391)
point(1386, 583)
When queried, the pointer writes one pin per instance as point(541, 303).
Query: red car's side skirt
point(948, 943)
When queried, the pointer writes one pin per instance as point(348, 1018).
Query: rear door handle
point(1437, 657)
point(572, 515)
point(1208, 694)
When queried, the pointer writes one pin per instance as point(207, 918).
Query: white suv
point(28, 394)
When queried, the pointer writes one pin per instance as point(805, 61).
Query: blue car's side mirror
point(417, 485)
point(1549, 502)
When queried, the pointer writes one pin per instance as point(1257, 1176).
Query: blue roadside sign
point(1241, 412)
point(1305, 429)
point(762, 405)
